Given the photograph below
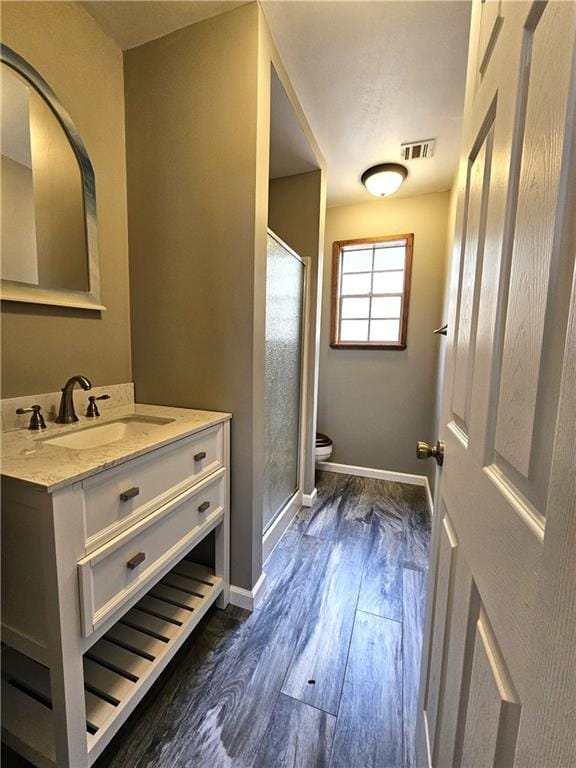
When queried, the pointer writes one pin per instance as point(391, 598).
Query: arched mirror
point(49, 251)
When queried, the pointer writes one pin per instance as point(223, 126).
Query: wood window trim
point(337, 247)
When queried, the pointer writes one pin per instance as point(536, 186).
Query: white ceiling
point(135, 22)
point(370, 75)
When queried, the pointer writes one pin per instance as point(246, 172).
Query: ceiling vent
point(418, 150)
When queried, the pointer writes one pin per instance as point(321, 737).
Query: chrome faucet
point(67, 414)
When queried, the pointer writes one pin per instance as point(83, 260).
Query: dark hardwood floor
point(324, 674)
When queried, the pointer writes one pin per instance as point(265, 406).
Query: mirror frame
point(11, 290)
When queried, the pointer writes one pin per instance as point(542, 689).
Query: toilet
point(324, 446)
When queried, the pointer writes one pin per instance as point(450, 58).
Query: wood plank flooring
point(297, 735)
point(316, 671)
point(414, 603)
point(324, 674)
point(369, 725)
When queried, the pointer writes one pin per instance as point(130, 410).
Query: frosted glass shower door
point(283, 370)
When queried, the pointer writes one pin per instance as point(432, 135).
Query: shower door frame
point(284, 517)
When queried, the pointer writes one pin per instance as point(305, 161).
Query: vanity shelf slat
point(152, 625)
point(135, 640)
point(99, 712)
point(164, 610)
point(195, 571)
point(105, 682)
point(176, 597)
point(186, 584)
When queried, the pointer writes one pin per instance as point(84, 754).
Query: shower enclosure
point(285, 305)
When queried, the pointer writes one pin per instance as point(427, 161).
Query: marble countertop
point(26, 456)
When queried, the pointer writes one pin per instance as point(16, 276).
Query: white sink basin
point(103, 434)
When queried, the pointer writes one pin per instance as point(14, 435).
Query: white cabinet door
point(498, 683)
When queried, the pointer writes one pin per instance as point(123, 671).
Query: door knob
point(425, 451)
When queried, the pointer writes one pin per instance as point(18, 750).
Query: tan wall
point(294, 214)
point(192, 188)
point(377, 404)
point(43, 346)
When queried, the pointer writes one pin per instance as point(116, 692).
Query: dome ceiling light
point(384, 179)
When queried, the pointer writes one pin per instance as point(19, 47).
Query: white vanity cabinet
point(99, 589)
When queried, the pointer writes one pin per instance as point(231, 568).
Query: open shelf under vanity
point(104, 577)
point(118, 669)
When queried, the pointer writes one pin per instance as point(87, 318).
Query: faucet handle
point(92, 410)
point(36, 420)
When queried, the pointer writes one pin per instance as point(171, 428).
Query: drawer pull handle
point(129, 494)
point(135, 561)
point(204, 506)
point(200, 456)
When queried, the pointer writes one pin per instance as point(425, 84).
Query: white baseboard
point(247, 598)
point(308, 499)
point(378, 474)
point(276, 530)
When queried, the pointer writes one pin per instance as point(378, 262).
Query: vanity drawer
point(111, 575)
point(117, 498)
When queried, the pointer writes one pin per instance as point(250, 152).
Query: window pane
point(388, 282)
point(355, 307)
point(386, 306)
point(357, 261)
point(354, 330)
point(356, 283)
point(390, 258)
point(385, 330)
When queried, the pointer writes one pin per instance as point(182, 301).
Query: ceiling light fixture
point(383, 180)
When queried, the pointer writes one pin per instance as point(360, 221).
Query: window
point(370, 292)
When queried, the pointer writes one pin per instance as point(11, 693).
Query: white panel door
point(498, 683)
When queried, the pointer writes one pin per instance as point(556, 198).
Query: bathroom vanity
point(99, 589)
